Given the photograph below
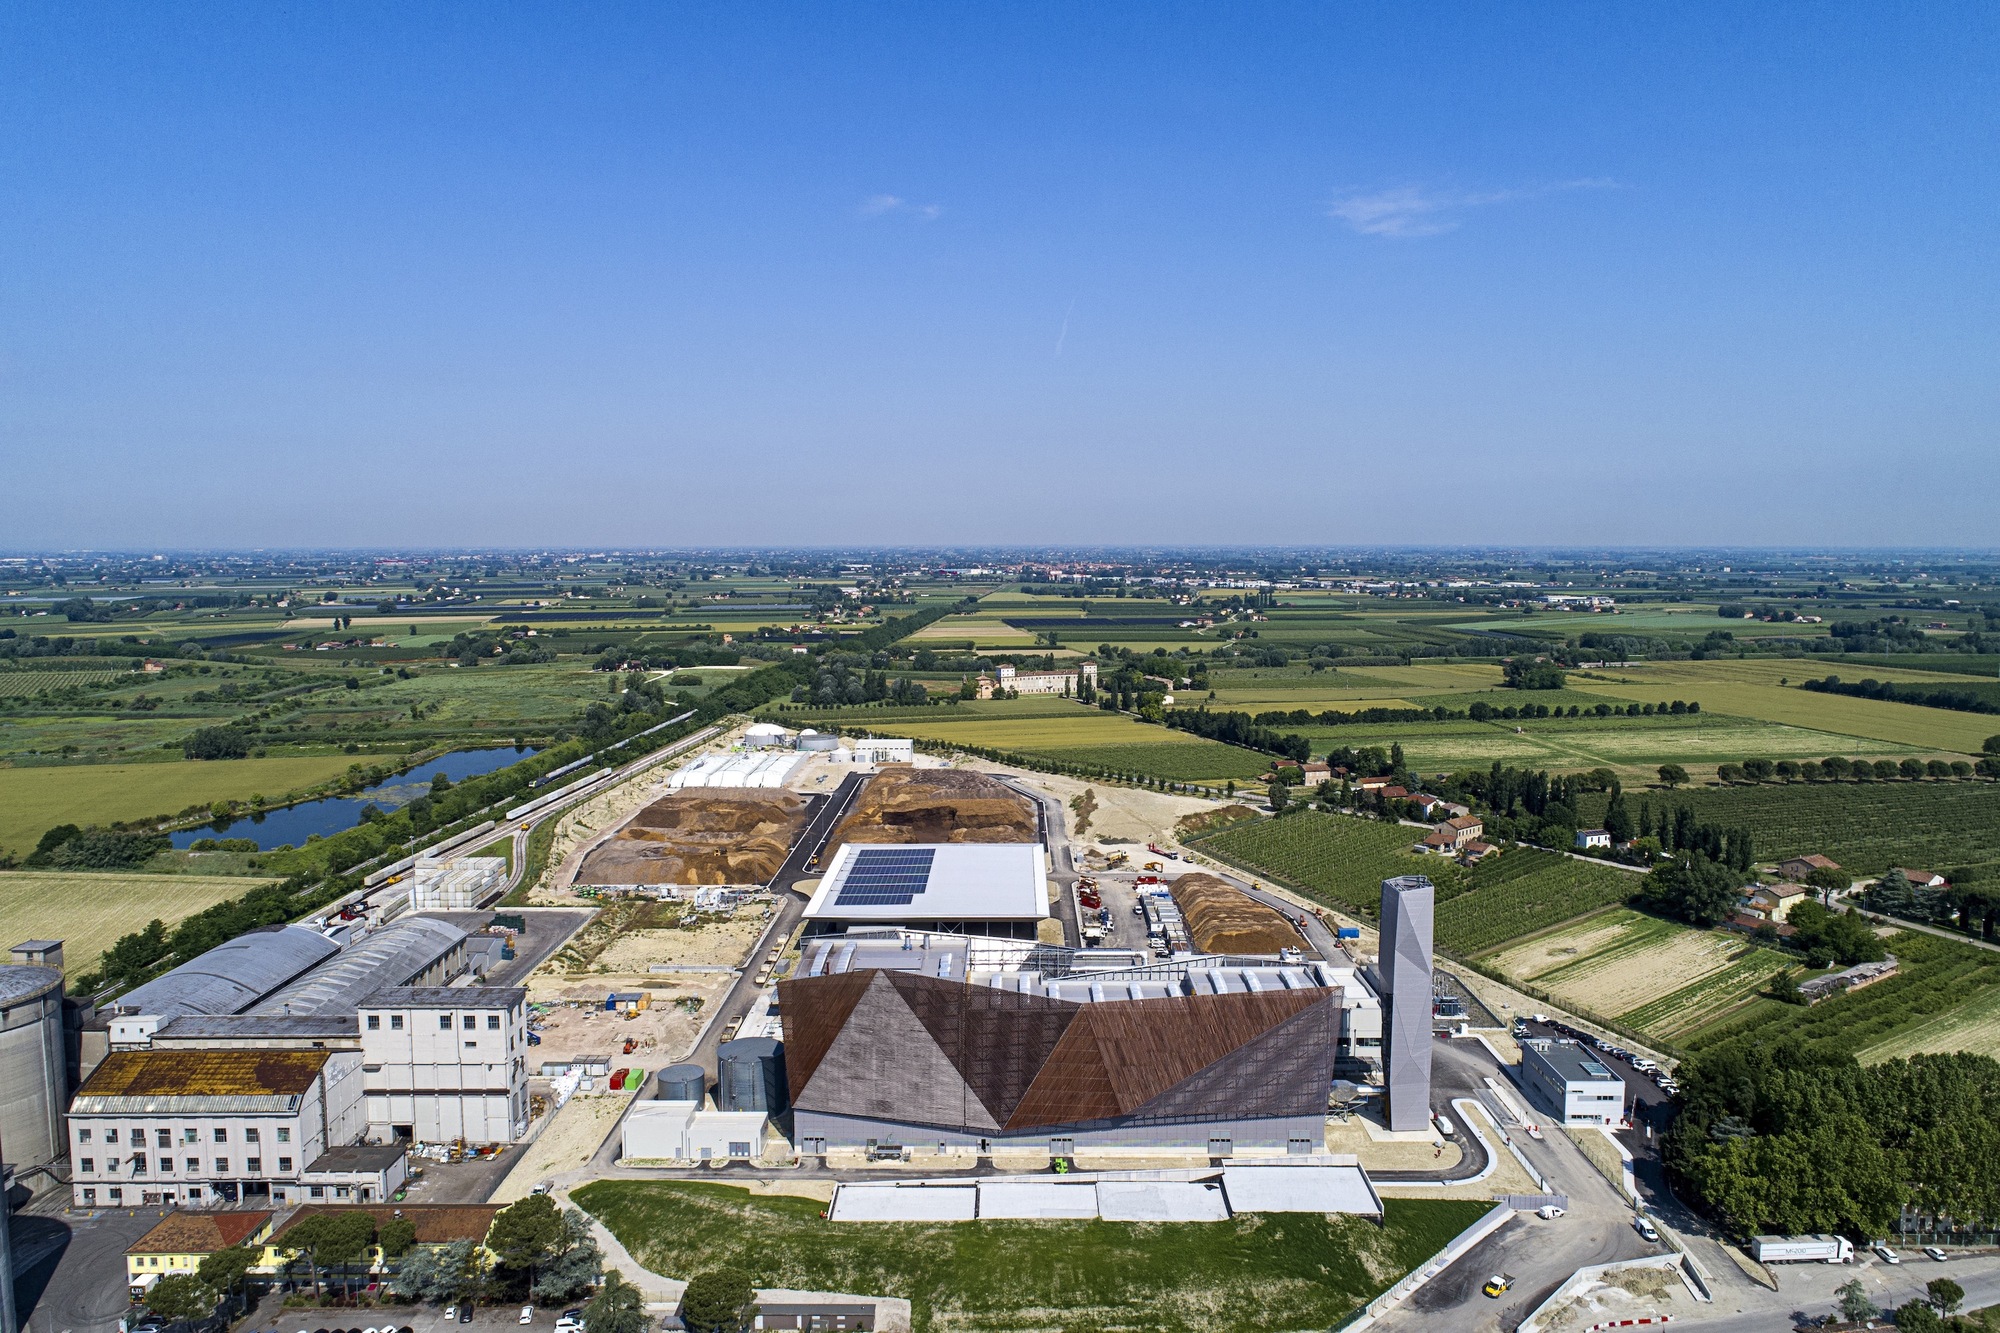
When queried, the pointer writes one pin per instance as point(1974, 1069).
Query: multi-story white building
point(203, 1127)
point(446, 1062)
point(1572, 1082)
point(1043, 682)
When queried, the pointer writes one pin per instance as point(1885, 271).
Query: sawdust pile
point(937, 805)
point(1223, 919)
point(717, 836)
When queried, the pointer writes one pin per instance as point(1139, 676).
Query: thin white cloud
point(884, 205)
point(1406, 211)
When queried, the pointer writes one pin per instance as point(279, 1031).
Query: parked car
point(1548, 1212)
point(1644, 1226)
point(465, 1314)
point(450, 1313)
point(1933, 1252)
point(571, 1322)
point(527, 1314)
point(1498, 1284)
point(1887, 1255)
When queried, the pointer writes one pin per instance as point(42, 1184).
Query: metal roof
point(357, 1157)
point(27, 983)
point(446, 997)
point(212, 1027)
point(933, 882)
point(392, 956)
point(231, 977)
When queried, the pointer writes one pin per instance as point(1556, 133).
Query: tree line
point(1961, 701)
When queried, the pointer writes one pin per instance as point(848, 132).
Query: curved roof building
point(231, 977)
point(415, 951)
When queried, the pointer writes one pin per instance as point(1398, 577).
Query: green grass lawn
point(1274, 1271)
point(33, 800)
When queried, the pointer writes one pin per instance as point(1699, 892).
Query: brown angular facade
point(896, 1057)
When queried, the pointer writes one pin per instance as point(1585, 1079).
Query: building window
point(222, 1166)
point(193, 1165)
point(444, 1022)
point(317, 1191)
point(116, 1194)
point(164, 1137)
point(83, 1136)
point(89, 1198)
point(492, 1022)
point(470, 1023)
point(111, 1134)
point(470, 1043)
point(284, 1134)
point(284, 1166)
point(253, 1165)
point(138, 1164)
point(222, 1136)
point(739, 1149)
point(374, 1022)
point(190, 1135)
point(395, 1022)
point(250, 1135)
point(341, 1191)
point(89, 1164)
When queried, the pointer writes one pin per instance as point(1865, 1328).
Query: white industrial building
point(997, 889)
point(455, 883)
point(757, 768)
point(684, 1131)
point(1571, 1082)
point(883, 750)
point(446, 1062)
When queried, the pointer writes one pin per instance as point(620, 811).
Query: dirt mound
point(1224, 919)
point(938, 805)
point(718, 836)
point(1210, 820)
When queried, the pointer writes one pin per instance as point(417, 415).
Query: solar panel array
point(885, 877)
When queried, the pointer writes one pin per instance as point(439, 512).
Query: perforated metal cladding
point(921, 1050)
point(998, 1040)
point(811, 1014)
point(1117, 1057)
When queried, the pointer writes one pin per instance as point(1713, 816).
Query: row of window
point(251, 1165)
point(164, 1138)
point(470, 1022)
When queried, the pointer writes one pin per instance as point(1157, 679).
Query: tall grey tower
point(1405, 971)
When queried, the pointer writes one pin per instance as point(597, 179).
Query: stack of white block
point(455, 884)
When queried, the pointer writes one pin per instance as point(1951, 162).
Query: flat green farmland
point(1102, 739)
point(90, 911)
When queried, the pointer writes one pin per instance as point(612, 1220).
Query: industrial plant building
point(32, 1055)
point(1572, 1083)
point(990, 889)
point(1403, 974)
point(446, 1062)
point(900, 1057)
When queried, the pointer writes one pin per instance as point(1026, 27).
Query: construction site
point(703, 835)
point(937, 805)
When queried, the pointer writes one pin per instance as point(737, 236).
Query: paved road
point(1540, 1255)
point(1052, 827)
point(72, 1267)
point(800, 864)
point(1807, 1289)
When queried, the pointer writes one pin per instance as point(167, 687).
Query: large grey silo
point(683, 1083)
point(8, 1322)
point(750, 1075)
point(33, 1070)
point(1405, 970)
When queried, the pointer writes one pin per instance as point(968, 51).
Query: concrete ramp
point(1036, 1199)
point(1161, 1201)
point(870, 1202)
point(1300, 1189)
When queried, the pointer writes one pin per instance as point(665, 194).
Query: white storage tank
point(814, 741)
point(683, 1083)
point(33, 1095)
point(763, 735)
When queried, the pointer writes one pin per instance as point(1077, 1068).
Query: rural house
point(1462, 830)
point(1801, 866)
point(1587, 838)
point(1774, 902)
point(178, 1242)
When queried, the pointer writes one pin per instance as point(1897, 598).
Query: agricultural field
point(1108, 740)
point(1342, 861)
point(1657, 976)
point(1865, 826)
point(90, 911)
point(34, 800)
point(1258, 1273)
point(1944, 991)
point(1973, 1026)
point(1729, 688)
point(26, 684)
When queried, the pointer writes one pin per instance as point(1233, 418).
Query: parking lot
point(272, 1317)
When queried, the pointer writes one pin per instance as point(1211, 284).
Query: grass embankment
point(1276, 1271)
point(33, 800)
point(89, 912)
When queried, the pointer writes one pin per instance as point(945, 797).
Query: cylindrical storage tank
point(750, 1075)
point(33, 1097)
point(683, 1083)
point(818, 743)
point(761, 735)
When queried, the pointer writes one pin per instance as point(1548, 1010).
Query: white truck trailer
point(1804, 1250)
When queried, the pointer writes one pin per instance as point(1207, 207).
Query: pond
point(336, 814)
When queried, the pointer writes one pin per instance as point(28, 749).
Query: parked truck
point(1803, 1250)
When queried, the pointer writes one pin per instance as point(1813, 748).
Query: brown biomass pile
point(937, 805)
point(1224, 919)
point(714, 836)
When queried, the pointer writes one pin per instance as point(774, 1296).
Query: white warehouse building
point(446, 1062)
point(1569, 1081)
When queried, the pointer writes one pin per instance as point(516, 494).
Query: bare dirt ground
point(580, 829)
point(903, 804)
point(567, 1143)
point(1223, 919)
point(705, 836)
point(1118, 814)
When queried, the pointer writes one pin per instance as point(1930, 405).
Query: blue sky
point(376, 274)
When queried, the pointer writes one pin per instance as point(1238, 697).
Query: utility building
point(1404, 969)
point(993, 889)
point(1572, 1082)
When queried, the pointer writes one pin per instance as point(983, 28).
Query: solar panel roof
point(886, 876)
